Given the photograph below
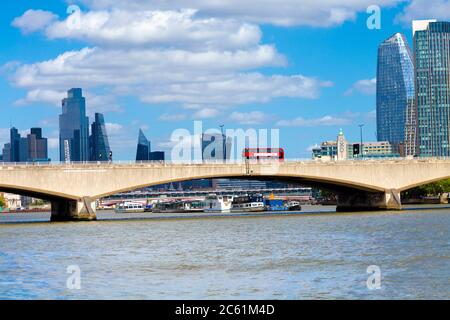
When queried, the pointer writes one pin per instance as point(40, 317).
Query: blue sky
point(305, 67)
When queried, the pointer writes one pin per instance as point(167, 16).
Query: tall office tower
point(156, 156)
point(395, 93)
point(74, 128)
point(143, 147)
point(23, 150)
point(37, 146)
point(14, 145)
point(98, 141)
point(6, 152)
point(216, 146)
point(432, 80)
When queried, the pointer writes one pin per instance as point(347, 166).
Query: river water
point(298, 256)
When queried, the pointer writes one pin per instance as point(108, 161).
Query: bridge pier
point(73, 210)
point(369, 201)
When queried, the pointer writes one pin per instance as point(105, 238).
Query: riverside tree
point(2, 201)
point(431, 189)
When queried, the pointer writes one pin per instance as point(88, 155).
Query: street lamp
point(361, 139)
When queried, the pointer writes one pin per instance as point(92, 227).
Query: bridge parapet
point(364, 161)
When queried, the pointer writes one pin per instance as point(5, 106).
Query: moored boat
point(294, 206)
point(129, 207)
point(218, 203)
point(183, 206)
point(248, 203)
point(275, 205)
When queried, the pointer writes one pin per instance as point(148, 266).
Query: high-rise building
point(143, 147)
point(23, 150)
point(74, 128)
point(6, 152)
point(216, 146)
point(98, 141)
point(156, 156)
point(29, 149)
point(37, 146)
point(395, 93)
point(432, 85)
point(14, 145)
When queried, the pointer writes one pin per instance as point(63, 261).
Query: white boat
point(253, 203)
point(294, 206)
point(218, 203)
point(179, 206)
point(129, 207)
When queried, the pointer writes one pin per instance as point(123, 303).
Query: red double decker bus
point(263, 154)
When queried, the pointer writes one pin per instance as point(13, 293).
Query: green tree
point(431, 189)
point(2, 201)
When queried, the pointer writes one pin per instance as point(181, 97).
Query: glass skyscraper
point(37, 146)
point(156, 156)
point(395, 93)
point(6, 156)
point(99, 144)
point(432, 79)
point(143, 147)
point(74, 128)
point(14, 145)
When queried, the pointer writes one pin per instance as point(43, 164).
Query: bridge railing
point(214, 162)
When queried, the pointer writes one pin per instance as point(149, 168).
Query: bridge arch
point(422, 183)
point(319, 182)
point(36, 192)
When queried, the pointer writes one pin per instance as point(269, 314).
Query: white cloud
point(49, 96)
point(236, 89)
point(121, 137)
point(53, 143)
point(101, 104)
point(113, 129)
point(424, 9)
point(253, 117)
point(173, 28)
point(365, 86)
point(162, 76)
point(163, 54)
point(323, 13)
point(206, 113)
point(323, 121)
point(97, 66)
point(34, 20)
point(311, 147)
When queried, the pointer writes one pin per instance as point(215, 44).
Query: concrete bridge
point(361, 184)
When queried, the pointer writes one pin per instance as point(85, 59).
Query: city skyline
point(331, 87)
